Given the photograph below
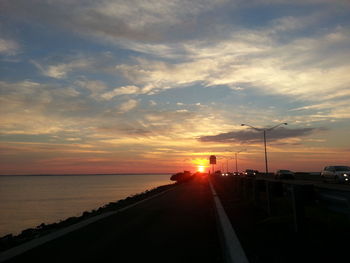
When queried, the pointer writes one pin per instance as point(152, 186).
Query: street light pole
point(236, 163)
point(266, 167)
point(264, 131)
point(236, 153)
point(226, 165)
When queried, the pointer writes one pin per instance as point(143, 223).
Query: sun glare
point(200, 168)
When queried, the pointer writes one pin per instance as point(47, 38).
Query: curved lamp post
point(264, 131)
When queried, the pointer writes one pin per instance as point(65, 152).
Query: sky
point(134, 86)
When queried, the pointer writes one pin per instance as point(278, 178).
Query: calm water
point(28, 201)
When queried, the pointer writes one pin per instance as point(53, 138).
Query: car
point(250, 172)
point(336, 173)
point(227, 174)
point(284, 174)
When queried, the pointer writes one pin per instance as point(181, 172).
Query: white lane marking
point(232, 246)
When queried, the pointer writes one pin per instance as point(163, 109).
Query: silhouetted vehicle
point(218, 173)
point(337, 174)
point(250, 173)
point(284, 174)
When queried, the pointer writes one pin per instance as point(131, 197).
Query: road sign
point(212, 159)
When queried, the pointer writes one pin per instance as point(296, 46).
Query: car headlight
point(345, 175)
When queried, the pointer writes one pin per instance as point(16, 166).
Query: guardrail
point(263, 192)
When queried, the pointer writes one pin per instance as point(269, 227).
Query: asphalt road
point(178, 226)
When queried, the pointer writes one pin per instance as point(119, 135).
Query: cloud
point(61, 70)
point(152, 103)
point(310, 68)
point(128, 105)
point(96, 87)
point(116, 20)
point(162, 73)
point(252, 136)
point(8, 46)
point(29, 107)
point(126, 90)
point(35, 108)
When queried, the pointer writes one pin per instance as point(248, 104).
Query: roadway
point(177, 226)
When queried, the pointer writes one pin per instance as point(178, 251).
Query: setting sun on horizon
point(201, 169)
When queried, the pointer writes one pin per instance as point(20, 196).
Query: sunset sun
point(200, 168)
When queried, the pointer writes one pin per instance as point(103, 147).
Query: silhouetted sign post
point(212, 161)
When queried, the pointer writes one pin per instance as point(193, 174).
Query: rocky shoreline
point(9, 241)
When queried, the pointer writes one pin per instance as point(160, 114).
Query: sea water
point(27, 201)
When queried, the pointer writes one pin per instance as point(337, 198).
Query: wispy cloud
point(252, 136)
point(8, 46)
point(115, 20)
point(61, 70)
point(128, 105)
point(126, 90)
point(256, 57)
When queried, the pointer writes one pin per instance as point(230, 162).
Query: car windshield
point(342, 168)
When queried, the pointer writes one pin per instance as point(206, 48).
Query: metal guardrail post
point(301, 194)
point(234, 186)
point(245, 188)
point(256, 190)
point(298, 209)
point(268, 198)
point(250, 188)
point(236, 181)
point(240, 186)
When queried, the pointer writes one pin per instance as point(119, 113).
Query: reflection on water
point(28, 201)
